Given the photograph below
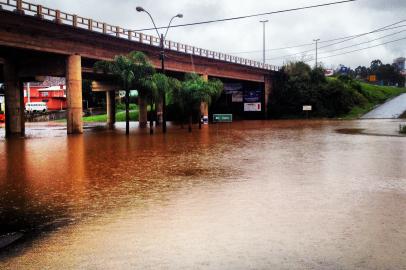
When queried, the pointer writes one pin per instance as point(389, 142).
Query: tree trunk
point(164, 113)
point(158, 112)
point(127, 112)
point(190, 122)
point(151, 119)
point(200, 120)
point(143, 110)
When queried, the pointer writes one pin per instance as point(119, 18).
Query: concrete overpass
point(38, 41)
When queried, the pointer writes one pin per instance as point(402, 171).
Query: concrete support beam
point(159, 112)
point(111, 108)
point(204, 107)
point(14, 100)
point(101, 86)
point(143, 111)
point(74, 94)
point(267, 92)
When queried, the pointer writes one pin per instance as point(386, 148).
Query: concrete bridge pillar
point(143, 110)
point(159, 112)
point(14, 100)
point(204, 107)
point(111, 108)
point(267, 92)
point(74, 94)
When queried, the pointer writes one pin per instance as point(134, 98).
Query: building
point(400, 63)
point(52, 91)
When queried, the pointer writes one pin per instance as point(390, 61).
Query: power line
point(385, 28)
point(250, 16)
point(339, 49)
point(362, 49)
point(321, 41)
point(369, 41)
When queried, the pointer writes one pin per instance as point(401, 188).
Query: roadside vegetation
point(187, 96)
point(135, 71)
point(402, 129)
point(120, 115)
point(341, 97)
point(375, 95)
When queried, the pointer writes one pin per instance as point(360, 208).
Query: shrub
point(298, 85)
point(402, 129)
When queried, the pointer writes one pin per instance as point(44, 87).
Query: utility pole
point(317, 43)
point(263, 40)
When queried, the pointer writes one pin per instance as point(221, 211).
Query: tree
point(375, 64)
point(132, 70)
point(175, 98)
point(163, 86)
point(193, 91)
point(300, 85)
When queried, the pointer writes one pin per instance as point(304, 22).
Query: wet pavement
point(390, 109)
point(247, 195)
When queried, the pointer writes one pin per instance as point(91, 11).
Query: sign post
point(222, 118)
point(307, 108)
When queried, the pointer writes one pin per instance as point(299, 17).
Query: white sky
point(286, 29)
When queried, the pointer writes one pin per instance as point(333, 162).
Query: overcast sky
point(283, 30)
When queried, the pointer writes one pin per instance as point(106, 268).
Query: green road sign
point(222, 118)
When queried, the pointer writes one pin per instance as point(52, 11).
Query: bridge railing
point(45, 13)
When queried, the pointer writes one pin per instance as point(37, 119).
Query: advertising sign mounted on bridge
point(252, 96)
point(230, 88)
point(237, 97)
point(235, 90)
point(252, 107)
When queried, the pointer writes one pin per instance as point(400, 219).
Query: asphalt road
point(391, 109)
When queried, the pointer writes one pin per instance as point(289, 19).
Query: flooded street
point(247, 195)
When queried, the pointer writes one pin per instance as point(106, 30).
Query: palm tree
point(175, 97)
point(194, 91)
point(143, 81)
point(163, 86)
point(132, 70)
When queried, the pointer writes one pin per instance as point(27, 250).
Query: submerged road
point(391, 109)
point(246, 195)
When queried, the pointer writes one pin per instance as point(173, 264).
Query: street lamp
point(263, 39)
point(162, 57)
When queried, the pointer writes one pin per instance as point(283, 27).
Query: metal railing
point(45, 13)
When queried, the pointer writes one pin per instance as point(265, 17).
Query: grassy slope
point(120, 117)
point(376, 95)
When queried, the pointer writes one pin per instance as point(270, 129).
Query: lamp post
point(162, 38)
point(263, 39)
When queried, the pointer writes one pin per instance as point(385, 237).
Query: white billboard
point(252, 107)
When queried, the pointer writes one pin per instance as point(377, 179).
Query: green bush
point(121, 107)
point(402, 129)
point(299, 85)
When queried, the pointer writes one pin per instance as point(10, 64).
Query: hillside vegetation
point(340, 97)
point(375, 95)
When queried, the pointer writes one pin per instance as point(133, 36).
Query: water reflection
point(279, 195)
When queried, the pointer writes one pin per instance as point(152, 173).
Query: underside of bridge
point(32, 48)
point(20, 66)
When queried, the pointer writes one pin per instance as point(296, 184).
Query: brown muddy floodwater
point(247, 195)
